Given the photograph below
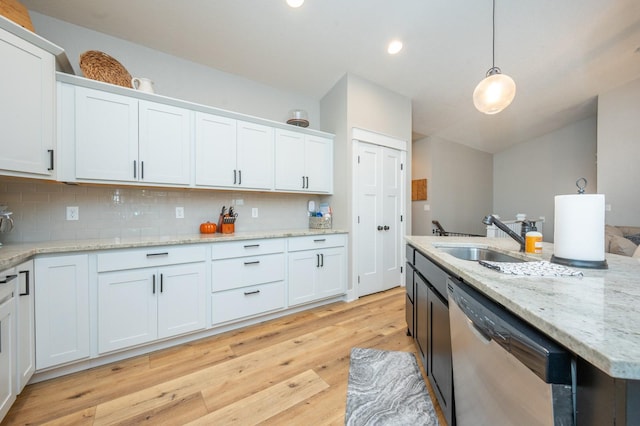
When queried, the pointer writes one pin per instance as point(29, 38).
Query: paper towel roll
point(579, 227)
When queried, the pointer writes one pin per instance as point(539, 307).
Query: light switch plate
point(254, 212)
point(179, 212)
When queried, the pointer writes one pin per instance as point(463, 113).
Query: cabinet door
point(106, 136)
point(62, 310)
point(165, 143)
point(290, 161)
point(421, 326)
point(127, 309)
point(319, 164)
point(215, 150)
point(26, 359)
point(7, 357)
point(181, 299)
point(331, 279)
point(302, 276)
point(440, 364)
point(255, 156)
point(27, 85)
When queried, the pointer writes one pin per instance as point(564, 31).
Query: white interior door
point(379, 196)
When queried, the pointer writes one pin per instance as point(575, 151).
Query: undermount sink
point(478, 253)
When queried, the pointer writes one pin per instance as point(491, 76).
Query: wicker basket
point(320, 222)
point(99, 66)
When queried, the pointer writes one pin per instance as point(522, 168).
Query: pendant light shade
point(496, 91)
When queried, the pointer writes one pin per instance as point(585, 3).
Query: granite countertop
point(596, 316)
point(13, 254)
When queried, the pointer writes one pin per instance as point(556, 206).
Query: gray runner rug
point(386, 388)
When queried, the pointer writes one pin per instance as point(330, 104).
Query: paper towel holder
point(581, 183)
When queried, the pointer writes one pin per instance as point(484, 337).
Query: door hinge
point(401, 218)
point(358, 219)
point(401, 166)
point(358, 279)
point(401, 269)
point(358, 159)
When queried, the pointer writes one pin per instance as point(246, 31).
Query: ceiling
point(561, 54)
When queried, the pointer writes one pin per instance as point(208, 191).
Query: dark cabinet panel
point(440, 362)
point(421, 326)
point(410, 311)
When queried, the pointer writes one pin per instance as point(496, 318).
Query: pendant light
point(496, 91)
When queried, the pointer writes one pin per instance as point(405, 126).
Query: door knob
point(386, 228)
point(380, 228)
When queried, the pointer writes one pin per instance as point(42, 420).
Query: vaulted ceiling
point(561, 54)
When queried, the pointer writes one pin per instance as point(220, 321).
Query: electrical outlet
point(254, 212)
point(73, 213)
point(179, 212)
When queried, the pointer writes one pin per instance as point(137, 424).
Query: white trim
point(378, 139)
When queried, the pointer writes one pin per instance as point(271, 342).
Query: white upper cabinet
point(165, 143)
point(233, 153)
point(106, 129)
point(27, 105)
point(119, 138)
point(303, 162)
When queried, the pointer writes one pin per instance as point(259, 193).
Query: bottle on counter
point(533, 242)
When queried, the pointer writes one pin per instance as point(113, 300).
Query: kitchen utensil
point(142, 84)
point(6, 222)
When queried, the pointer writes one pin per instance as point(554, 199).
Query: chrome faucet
point(492, 220)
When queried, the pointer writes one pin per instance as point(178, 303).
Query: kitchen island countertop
point(596, 316)
point(13, 254)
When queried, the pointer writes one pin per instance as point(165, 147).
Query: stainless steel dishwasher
point(504, 371)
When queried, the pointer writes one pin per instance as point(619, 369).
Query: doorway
point(379, 210)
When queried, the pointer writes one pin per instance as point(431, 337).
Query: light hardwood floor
point(289, 371)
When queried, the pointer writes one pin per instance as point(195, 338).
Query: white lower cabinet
point(7, 341)
point(317, 268)
point(137, 306)
point(249, 283)
point(25, 318)
point(61, 310)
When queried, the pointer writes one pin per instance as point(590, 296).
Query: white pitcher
point(142, 84)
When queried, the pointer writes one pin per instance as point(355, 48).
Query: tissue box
point(320, 222)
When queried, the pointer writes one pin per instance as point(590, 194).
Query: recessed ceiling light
point(394, 47)
point(295, 3)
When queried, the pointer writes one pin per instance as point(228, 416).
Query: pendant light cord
point(493, 63)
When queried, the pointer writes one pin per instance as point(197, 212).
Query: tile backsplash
point(40, 208)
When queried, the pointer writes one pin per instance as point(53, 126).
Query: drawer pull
point(166, 253)
point(255, 262)
point(154, 283)
point(320, 240)
point(247, 293)
point(252, 245)
point(8, 278)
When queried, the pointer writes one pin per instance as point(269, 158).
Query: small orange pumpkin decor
point(208, 228)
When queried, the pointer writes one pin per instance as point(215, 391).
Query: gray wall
point(528, 176)
point(619, 153)
point(179, 78)
point(421, 169)
point(459, 188)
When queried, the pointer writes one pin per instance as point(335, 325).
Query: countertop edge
point(14, 254)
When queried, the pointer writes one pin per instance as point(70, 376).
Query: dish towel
point(540, 269)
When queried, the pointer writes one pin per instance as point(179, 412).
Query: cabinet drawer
point(436, 276)
point(247, 248)
point(239, 303)
point(317, 241)
point(150, 256)
point(241, 272)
